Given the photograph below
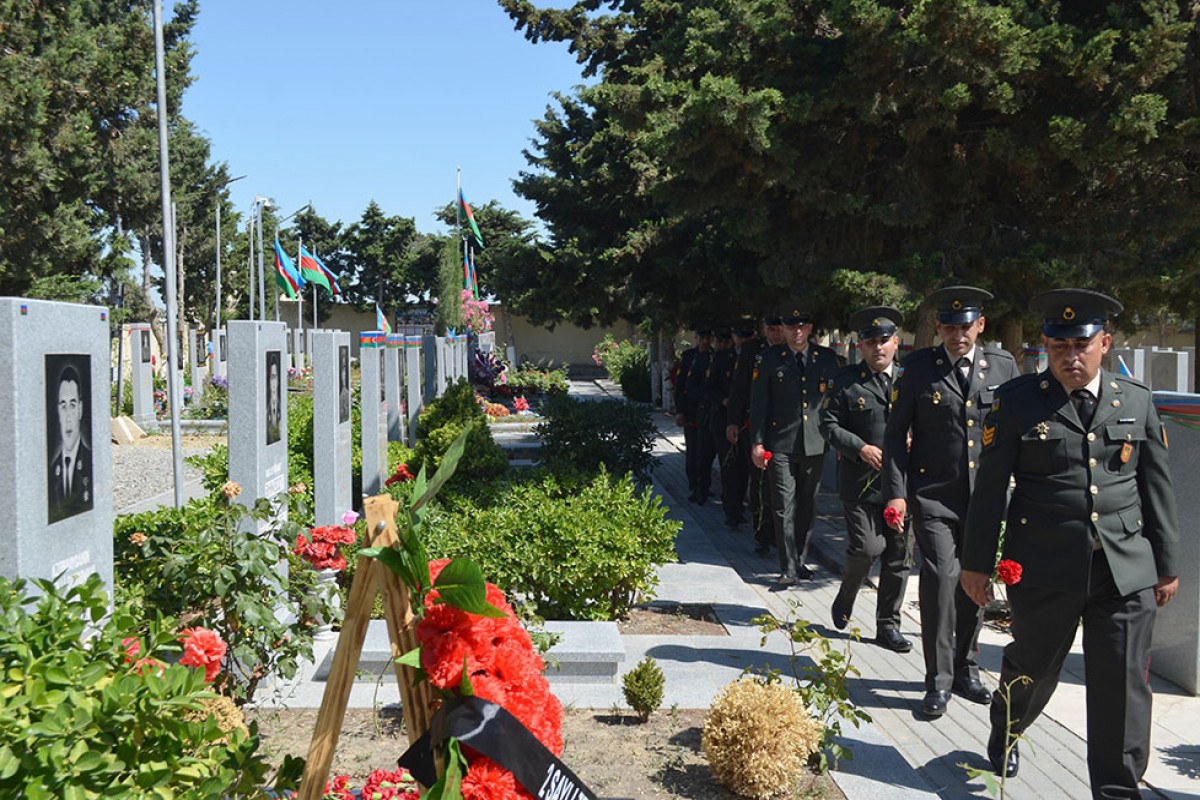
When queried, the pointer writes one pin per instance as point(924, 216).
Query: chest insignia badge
point(1043, 429)
point(936, 397)
point(862, 403)
point(1126, 452)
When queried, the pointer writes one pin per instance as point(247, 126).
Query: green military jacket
point(785, 403)
point(738, 411)
point(936, 474)
point(1073, 487)
point(855, 413)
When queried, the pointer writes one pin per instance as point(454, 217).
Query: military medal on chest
point(1043, 429)
point(936, 397)
point(862, 403)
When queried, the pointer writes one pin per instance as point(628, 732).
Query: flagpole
point(262, 276)
point(458, 210)
point(300, 291)
point(276, 282)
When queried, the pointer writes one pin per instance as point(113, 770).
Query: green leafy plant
point(82, 717)
point(588, 435)
point(446, 419)
point(628, 363)
point(229, 568)
point(823, 684)
point(529, 379)
point(573, 547)
point(995, 784)
point(643, 688)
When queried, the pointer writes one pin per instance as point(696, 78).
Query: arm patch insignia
point(989, 435)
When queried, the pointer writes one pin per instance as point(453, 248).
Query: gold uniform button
point(970, 442)
point(1095, 516)
point(968, 404)
point(922, 470)
point(806, 417)
point(1091, 437)
point(1093, 489)
point(971, 464)
point(1091, 462)
point(1024, 521)
point(806, 404)
point(970, 423)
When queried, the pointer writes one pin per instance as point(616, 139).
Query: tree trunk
point(1012, 337)
point(926, 332)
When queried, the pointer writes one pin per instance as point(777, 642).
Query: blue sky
point(342, 103)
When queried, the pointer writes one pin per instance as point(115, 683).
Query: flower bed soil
point(673, 619)
point(617, 756)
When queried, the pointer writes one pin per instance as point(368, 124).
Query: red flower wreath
point(503, 668)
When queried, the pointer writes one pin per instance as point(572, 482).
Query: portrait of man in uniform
point(343, 384)
point(221, 340)
point(201, 348)
point(145, 337)
point(273, 397)
point(69, 489)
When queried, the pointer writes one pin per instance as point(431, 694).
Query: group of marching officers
point(1062, 471)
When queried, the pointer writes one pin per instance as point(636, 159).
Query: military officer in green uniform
point(1092, 523)
point(737, 429)
point(941, 402)
point(694, 359)
point(853, 419)
point(736, 463)
point(711, 388)
point(785, 401)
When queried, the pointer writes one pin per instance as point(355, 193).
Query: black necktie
point(885, 383)
point(1085, 404)
point(67, 475)
point(800, 362)
point(964, 378)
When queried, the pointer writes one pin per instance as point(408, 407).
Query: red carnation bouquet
point(322, 552)
point(468, 643)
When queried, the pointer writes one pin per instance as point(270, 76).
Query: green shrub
point(82, 719)
point(573, 548)
point(589, 434)
point(643, 688)
point(628, 364)
point(209, 563)
point(534, 380)
point(443, 421)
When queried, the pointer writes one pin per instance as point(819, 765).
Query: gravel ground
point(140, 473)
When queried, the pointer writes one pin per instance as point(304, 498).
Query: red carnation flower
point(1008, 571)
point(384, 785)
point(401, 475)
point(892, 516)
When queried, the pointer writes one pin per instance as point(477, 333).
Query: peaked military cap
point(956, 305)
point(793, 313)
point(746, 328)
point(1074, 313)
point(875, 322)
point(723, 332)
point(772, 318)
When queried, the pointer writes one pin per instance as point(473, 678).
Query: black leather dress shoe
point(892, 640)
point(972, 689)
point(803, 572)
point(841, 617)
point(934, 704)
point(995, 750)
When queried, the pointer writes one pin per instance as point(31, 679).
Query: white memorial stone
point(141, 376)
point(1034, 359)
point(55, 449)
point(220, 356)
point(412, 381)
point(393, 384)
point(1136, 359)
point(258, 411)
point(332, 433)
point(373, 407)
point(1170, 370)
point(199, 362)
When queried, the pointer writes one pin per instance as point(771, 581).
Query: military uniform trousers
point(869, 538)
point(794, 482)
point(950, 620)
point(710, 444)
point(1118, 629)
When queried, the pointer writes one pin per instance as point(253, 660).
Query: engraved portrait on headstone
point(221, 338)
point(201, 348)
point(69, 487)
point(145, 336)
point(382, 385)
point(344, 383)
point(273, 396)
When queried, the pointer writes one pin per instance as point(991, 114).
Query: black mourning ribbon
point(494, 732)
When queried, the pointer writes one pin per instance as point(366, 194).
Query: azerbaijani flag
point(285, 273)
point(466, 210)
point(381, 322)
point(311, 269)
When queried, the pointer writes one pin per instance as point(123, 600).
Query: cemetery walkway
point(898, 755)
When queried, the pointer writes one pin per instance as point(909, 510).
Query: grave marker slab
point(412, 380)
point(258, 408)
point(299, 349)
point(393, 384)
point(332, 472)
point(1034, 359)
point(1170, 370)
point(373, 406)
point(141, 376)
point(220, 357)
point(432, 350)
point(55, 450)
point(1176, 653)
point(1137, 359)
point(199, 362)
